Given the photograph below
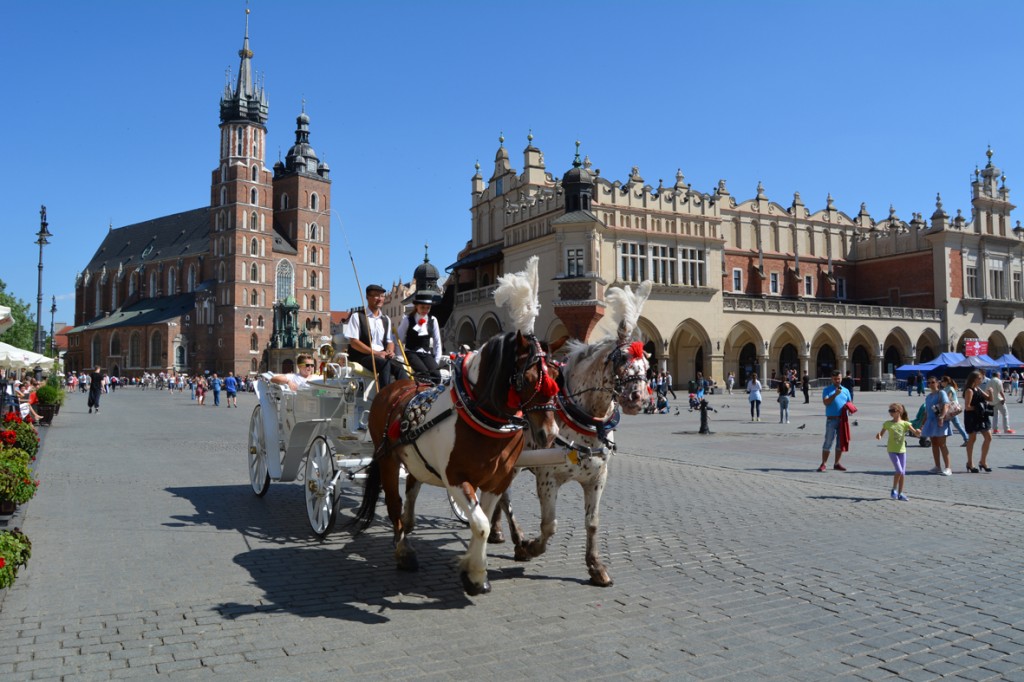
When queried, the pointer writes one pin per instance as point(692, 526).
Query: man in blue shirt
point(231, 386)
point(834, 398)
point(215, 384)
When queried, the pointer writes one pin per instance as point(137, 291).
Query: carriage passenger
point(420, 333)
point(370, 340)
point(306, 365)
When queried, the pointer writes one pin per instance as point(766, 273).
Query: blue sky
point(111, 111)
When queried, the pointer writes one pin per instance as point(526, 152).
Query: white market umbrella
point(12, 357)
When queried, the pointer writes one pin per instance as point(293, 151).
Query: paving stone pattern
point(732, 558)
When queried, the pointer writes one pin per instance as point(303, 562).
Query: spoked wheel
point(457, 510)
point(320, 499)
point(259, 476)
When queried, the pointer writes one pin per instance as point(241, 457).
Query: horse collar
point(579, 420)
point(469, 409)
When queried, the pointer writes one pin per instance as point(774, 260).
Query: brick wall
point(902, 280)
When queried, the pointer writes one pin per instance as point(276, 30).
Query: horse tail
point(371, 494)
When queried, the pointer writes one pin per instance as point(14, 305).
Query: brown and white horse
point(464, 437)
point(596, 381)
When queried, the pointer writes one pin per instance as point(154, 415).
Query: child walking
point(898, 428)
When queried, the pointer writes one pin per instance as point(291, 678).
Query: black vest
point(364, 336)
point(413, 341)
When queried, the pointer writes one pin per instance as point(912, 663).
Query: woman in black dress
point(977, 403)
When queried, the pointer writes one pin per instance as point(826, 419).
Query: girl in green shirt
point(898, 427)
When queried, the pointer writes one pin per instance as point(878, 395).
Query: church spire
point(248, 101)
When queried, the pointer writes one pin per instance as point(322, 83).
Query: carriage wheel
point(320, 500)
point(457, 510)
point(259, 476)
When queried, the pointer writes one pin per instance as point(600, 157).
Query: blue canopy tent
point(982, 362)
point(930, 367)
point(1009, 360)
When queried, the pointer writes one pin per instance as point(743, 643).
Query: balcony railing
point(475, 295)
point(811, 308)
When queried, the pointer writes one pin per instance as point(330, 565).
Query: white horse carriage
point(313, 432)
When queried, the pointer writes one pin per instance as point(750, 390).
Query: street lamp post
point(53, 311)
point(42, 240)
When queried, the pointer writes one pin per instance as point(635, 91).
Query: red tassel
point(636, 350)
point(513, 399)
point(550, 388)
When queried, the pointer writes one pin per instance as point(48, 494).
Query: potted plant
point(26, 437)
point(16, 483)
point(15, 551)
point(49, 399)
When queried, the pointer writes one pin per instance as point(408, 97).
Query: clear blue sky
point(110, 111)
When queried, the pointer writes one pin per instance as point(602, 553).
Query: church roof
point(173, 236)
point(145, 311)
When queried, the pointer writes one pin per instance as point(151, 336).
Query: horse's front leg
point(405, 555)
point(547, 493)
point(412, 492)
point(473, 565)
point(592, 506)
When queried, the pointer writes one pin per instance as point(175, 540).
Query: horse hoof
point(521, 554)
point(601, 580)
point(408, 563)
point(471, 588)
point(495, 538)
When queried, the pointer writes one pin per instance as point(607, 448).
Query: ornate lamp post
point(53, 311)
point(42, 240)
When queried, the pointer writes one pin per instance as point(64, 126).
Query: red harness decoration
point(464, 413)
point(636, 350)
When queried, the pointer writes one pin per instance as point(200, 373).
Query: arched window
point(254, 247)
point(224, 173)
point(221, 273)
point(312, 279)
point(132, 284)
point(191, 278)
point(254, 365)
point(252, 220)
point(115, 344)
point(156, 350)
point(255, 173)
point(152, 284)
point(113, 296)
point(313, 201)
point(245, 296)
point(259, 322)
point(313, 255)
point(254, 298)
point(134, 350)
point(254, 273)
point(285, 281)
point(172, 281)
point(252, 196)
point(223, 196)
point(254, 342)
point(284, 202)
point(238, 141)
point(96, 359)
point(179, 357)
point(312, 232)
point(312, 302)
point(248, 319)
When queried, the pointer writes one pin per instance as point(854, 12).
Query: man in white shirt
point(995, 384)
point(370, 341)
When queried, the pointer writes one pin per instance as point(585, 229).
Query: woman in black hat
point(421, 334)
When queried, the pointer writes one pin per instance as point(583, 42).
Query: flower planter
point(46, 413)
point(7, 509)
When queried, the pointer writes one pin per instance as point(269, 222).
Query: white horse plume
point(517, 292)
point(624, 308)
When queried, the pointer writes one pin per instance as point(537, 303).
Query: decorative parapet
point(810, 308)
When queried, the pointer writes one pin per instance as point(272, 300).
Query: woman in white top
point(754, 391)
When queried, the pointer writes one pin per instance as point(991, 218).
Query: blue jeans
point(831, 432)
point(216, 398)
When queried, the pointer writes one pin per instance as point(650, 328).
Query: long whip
point(362, 298)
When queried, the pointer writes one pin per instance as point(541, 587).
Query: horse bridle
point(626, 355)
point(537, 356)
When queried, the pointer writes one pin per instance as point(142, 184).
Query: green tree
point(24, 329)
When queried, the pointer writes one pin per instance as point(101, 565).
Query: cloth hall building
point(744, 285)
point(214, 288)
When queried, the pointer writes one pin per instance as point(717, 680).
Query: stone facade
point(744, 285)
point(196, 291)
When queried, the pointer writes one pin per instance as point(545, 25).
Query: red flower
point(422, 321)
point(3, 562)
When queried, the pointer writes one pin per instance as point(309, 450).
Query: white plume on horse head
point(517, 292)
point(626, 305)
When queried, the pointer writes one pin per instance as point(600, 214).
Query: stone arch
point(785, 347)
point(465, 334)
point(744, 345)
point(862, 360)
point(929, 346)
point(489, 326)
point(897, 350)
point(1018, 346)
point(997, 345)
point(825, 345)
point(689, 352)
